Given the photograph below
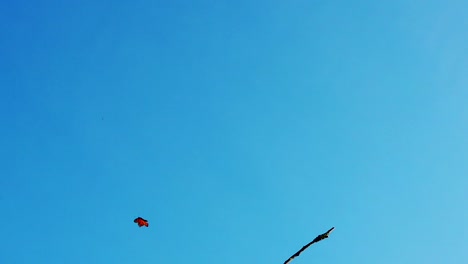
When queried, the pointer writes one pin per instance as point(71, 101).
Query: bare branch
point(317, 239)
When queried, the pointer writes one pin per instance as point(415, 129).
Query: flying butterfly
point(141, 222)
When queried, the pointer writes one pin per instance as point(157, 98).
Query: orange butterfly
point(141, 222)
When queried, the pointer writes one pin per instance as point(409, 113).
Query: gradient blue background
point(239, 129)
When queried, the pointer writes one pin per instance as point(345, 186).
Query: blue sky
point(239, 129)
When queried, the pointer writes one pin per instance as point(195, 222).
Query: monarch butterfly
point(141, 222)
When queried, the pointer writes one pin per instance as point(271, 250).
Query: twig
point(317, 239)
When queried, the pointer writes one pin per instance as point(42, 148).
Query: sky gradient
point(239, 129)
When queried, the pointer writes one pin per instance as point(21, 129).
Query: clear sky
point(239, 129)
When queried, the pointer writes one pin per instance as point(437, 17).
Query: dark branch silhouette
point(317, 239)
